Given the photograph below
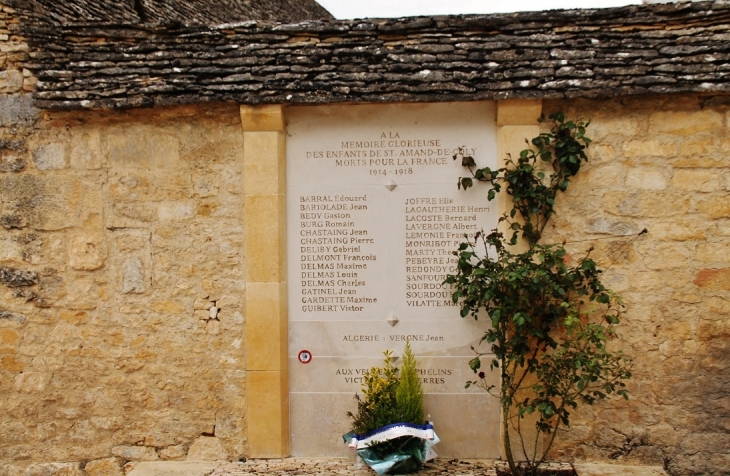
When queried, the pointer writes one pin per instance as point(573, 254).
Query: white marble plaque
point(373, 216)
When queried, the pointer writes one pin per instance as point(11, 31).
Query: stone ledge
point(175, 468)
point(605, 469)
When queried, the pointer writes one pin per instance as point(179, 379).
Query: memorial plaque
point(373, 217)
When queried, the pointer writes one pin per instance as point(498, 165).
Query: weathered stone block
point(29, 83)
point(687, 297)
point(47, 203)
point(518, 112)
point(143, 147)
point(11, 162)
point(132, 240)
point(159, 440)
point(206, 185)
point(266, 241)
point(213, 327)
point(611, 174)
point(7, 469)
point(84, 293)
point(13, 46)
point(142, 212)
point(685, 123)
point(718, 252)
point(647, 178)
point(697, 146)
point(666, 255)
point(15, 278)
point(715, 442)
point(173, 211)
point(9, 336)
point(645, 203)
point(107, 422)
point(87, 252)
point(10, 249)
point(135, 453)
point(86, 150)
point(50, 157)
point(603, 126)
point(12, 317)
point(701, 162)
point(262, 118)
point(696, 180)
point(268, 413)
point(207, 448)
point(168, 307)
point(174, 452)
point(104, 467)
point(717, 306)
point(11, 81)
point(649, 148)
point(678, 230)
point(229, 427)
point(715, 207)
point(74, 317)
point(201, 314)
point(54, 469)
point(135, 184)
point(713, 278)
point(676, 330)
point(133, 276)
point(264, 165)
point(601, 153)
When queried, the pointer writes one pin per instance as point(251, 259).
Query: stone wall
point(13, 53)
point(658, 163)
point(122, 333)
point(121, 296)
point(121, 269)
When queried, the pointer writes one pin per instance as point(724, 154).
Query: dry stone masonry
point(123, 327)
point(178, 11)
point(633, 50)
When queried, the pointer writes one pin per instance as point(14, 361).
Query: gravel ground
point(348, 466)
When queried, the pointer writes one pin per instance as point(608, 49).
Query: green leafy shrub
point(409, 394)
point(551, 321)
point(387, 397)
point(377, 407)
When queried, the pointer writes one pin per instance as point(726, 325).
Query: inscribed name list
point(373, 219)
point(374, 214)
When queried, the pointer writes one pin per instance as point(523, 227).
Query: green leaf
point(550, 319)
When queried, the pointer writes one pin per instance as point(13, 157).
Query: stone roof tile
point(166, 11)
point(638, 49)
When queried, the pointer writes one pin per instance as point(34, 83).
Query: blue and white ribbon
point(390, 432)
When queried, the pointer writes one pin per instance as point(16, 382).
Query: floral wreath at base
point(399, 448)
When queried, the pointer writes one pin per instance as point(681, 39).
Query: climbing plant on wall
point(551, 318)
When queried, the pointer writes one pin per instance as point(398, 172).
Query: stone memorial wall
point(373, 217)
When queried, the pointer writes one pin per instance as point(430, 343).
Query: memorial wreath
point(389, 430)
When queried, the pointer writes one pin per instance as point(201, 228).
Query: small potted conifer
point(389, 431)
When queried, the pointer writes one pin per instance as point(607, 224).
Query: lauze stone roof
point(650, 49)
point(166, 11)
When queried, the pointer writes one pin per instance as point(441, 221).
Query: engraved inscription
point(334, 252)
point(373, 217)
point(434, 227)
point(429, 377)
